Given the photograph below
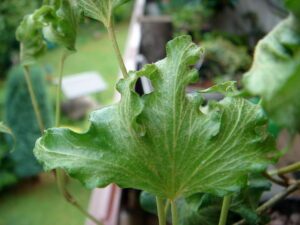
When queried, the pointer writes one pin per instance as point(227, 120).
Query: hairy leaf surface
point(101, 10)
point(162, 142)
point(275, 73)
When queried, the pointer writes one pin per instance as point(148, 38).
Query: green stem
point(58, 90)
point(288, 169)
point(275, 180)
point(167, 206)
point(33, 99)
point(160, 211)
point(225, 210)
point(60, 177)
point(60, 174)
point(174, 213)
point(112, 36)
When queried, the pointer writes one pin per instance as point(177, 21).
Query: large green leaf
point(275, 74)
point(162, 142)
point(101, 10)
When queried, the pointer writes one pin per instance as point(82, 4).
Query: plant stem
point(60, 178)
point(167, 206)
point(288, 169)
point(276, 198)
point(174, 213)
point(58, 89)
point(33, 99)
point(225, 209)
point(112, 36)
point(160, 211)
point(60, 174)
point(275, 180)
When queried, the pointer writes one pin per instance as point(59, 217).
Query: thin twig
point(275, 180)
point(288, 169)
point(275, 199)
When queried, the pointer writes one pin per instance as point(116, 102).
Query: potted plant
point(170, 143)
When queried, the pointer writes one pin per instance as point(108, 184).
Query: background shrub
point(20, 117)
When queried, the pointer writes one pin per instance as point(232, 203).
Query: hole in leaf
point(143, 86)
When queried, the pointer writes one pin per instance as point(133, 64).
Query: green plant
point(224, 60)
point(20, 117)
point(168, 143)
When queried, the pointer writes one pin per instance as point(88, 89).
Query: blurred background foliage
point(11, 14)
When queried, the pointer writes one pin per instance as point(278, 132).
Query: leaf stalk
point(288, 169)
point(174, 213)
point(33, 99)
point(225, 210)
point(161, 211)
point(112, 36)
point(58, 89)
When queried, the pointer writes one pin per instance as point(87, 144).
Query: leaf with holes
point(162, 142)
point(101, 10)
point(275, 74)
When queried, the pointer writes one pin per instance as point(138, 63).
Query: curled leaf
point(29, 34)
point(162, 142)
point(56, 21)
point(62, 24)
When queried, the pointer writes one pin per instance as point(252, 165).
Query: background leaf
point(275, 74)
point(293, 6)
point(56, 21)
point(29, 34)
point(145, 142)
point(101, 10)
point(62, 25)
